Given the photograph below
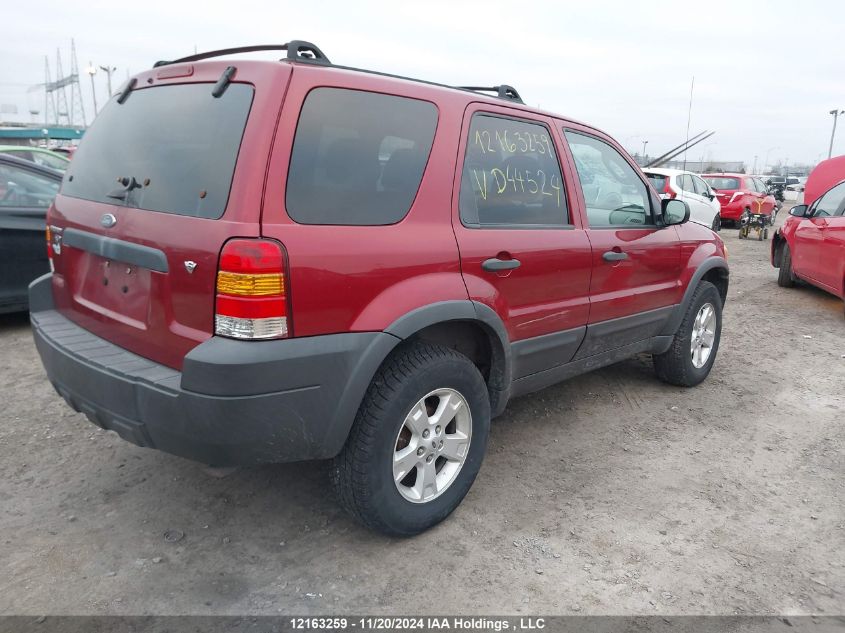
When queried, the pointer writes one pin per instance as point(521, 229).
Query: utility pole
point(755, 164)
point(644, 144)
point(92, 70)
point(835, 112)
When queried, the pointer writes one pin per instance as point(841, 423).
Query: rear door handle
point(494, 264)
point(614, 256)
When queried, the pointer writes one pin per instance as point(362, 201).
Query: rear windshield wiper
point(128, 185)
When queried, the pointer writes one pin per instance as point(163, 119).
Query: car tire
point(685, 364)
point(786, 278)
point(425, 378)
point(717, 224)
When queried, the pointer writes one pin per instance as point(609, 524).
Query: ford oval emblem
point(108, 220)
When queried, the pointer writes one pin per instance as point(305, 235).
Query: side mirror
point(799, 211)
point(674, 211)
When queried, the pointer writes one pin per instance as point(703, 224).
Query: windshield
point(722, 182)
point(171, 149)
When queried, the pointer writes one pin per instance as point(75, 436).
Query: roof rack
point(503, 92)
point(306, 52)
point(298, 50)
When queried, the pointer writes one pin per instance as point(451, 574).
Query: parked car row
point(705, 208)
point(717, 198)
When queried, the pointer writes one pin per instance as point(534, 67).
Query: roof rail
point(298, 50)
point(503, 92)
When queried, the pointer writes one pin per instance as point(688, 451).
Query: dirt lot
point(612, 493)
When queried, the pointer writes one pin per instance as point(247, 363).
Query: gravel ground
point(611, 493)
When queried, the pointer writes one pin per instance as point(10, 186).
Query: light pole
point(108, 70)
point(766, 162)
point(92, 70)
point(644, 144)
point(835, 114)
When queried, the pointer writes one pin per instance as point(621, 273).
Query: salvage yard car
point(810, 246)
point(262, 261)
point(704, 207)
point(26, 190)
point(741, 195)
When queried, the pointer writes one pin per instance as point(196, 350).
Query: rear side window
point(358, 157)
point(511, 176)
point(178, 143)
point(685, 183)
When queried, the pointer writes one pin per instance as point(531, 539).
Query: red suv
point(280, 261)
point(740, 195)
point(811, 243)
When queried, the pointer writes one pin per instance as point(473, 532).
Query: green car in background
point(37, 155)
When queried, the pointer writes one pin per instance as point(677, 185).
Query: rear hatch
point(724, 187)
point(159, 183)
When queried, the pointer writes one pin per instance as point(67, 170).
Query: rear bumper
point(235, 402)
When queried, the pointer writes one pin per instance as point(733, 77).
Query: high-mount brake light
point(251, 291)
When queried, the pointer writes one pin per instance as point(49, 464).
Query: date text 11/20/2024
point(419, 624)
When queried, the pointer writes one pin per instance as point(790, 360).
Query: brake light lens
point(668, 191)
point(251, 294)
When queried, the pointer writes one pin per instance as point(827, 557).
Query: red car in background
point(740, 193)
point(810, 245)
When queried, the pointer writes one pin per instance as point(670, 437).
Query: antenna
point(689, 117)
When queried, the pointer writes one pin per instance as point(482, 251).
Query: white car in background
point(704, 207)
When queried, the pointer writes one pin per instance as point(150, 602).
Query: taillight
point(667, 189)
point(49, 243)
point(251, 291)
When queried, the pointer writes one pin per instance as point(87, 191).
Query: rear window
point(178, 143)
point(358, 157)
point(720, 182)
point(658, 181)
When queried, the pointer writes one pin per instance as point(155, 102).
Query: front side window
point(832, 203)
point(511, 176)
point(23, 188)
point(613, 192)
point(358, 157)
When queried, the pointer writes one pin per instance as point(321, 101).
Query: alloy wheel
point(703, 335)
point(432, 445)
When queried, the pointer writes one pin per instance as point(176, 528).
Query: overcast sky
point(766, 73)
